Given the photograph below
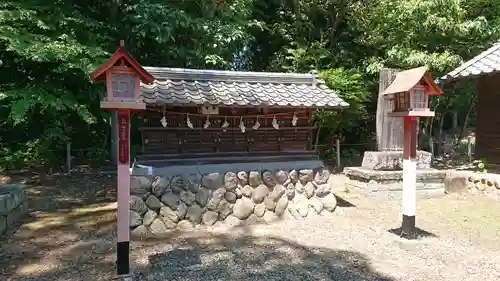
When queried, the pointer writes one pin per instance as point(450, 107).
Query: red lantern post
point(410, 94)
point(123, 76)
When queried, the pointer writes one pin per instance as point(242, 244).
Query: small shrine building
point(194, 113)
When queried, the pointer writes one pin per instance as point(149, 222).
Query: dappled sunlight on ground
point(70, 235)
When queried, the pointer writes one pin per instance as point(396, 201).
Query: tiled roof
point(407, 79)
point(486, 62)
point(176, 86)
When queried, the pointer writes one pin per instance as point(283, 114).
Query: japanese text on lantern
point(123, 138)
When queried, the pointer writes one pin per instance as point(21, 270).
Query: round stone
point(135, 219)
point(322, 176)
point(170, 199)
point(281, 206)
point(230, 197)
point(149, 217)
point(153, 202)
point(137, 204)
point(268, 179)
point(260, 193)
point(306, 176)
point(281, 177)
point(294, 176)
point(329, 202)
point(139, 185)
point(212, 181)
point(242, 178)
point(254, 179)
point(230, 181)
point(159, 185)
point(260, 209)
point(209, 217)
point(187, 197)
point(194, 213)
point(168, 213)
point(202, 196)
point(243, 208)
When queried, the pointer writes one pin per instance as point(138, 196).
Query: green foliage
point(433, 32)
point(481, 165)
point(351, 122)
point(48, 48)
point(97, 157)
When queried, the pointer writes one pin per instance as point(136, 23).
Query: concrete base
point(389, 184)
point(393, 160)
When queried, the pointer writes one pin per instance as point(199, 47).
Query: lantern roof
point(406, 80)
point(122, 54)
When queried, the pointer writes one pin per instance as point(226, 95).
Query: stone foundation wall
point(13, 204)
point(164, 203)
point(389, 184)
point(472, 182)
point(393, 160)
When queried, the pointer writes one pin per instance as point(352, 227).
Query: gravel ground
point(74, 239)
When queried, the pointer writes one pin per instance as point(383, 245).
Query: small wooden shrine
point(410, 92)
point(192, 111)
point(123, 76)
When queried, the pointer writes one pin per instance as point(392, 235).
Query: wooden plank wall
point(178, 138)
point(488, 118)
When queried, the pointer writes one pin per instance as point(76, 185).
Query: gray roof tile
point(486, 62)
point(174, 86)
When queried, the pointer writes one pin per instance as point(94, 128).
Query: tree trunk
point(440, 133)
point(467, 118)
point(431, 128)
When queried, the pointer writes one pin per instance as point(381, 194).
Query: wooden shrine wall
point(177, 137)
point(487, 121)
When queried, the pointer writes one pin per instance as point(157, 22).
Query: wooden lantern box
point(410, 92)
point(123, 77)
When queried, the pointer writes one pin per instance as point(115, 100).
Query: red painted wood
point(407, 138)
point(121, 54)
point(414, 138)
point(123, 137)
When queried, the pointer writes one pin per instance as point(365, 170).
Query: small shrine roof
point(406, 80)
point(121, 53)
point(192, 87)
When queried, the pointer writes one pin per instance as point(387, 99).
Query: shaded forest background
point(48, 48)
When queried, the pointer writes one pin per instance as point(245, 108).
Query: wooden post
point(337, 144)
point(123, 194)
point(114, 134)
point(409, 176)
point(469, 148)
point(68, 158)
point(124, 107)
point(317, 138)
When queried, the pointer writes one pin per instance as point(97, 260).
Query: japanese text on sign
point(123, 138)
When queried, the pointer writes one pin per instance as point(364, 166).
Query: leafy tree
point(47, 50)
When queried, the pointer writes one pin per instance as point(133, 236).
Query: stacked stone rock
point(13, 205)
point(163, 204)
point(484, 182)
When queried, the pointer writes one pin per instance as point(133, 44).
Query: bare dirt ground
point(69, 235)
